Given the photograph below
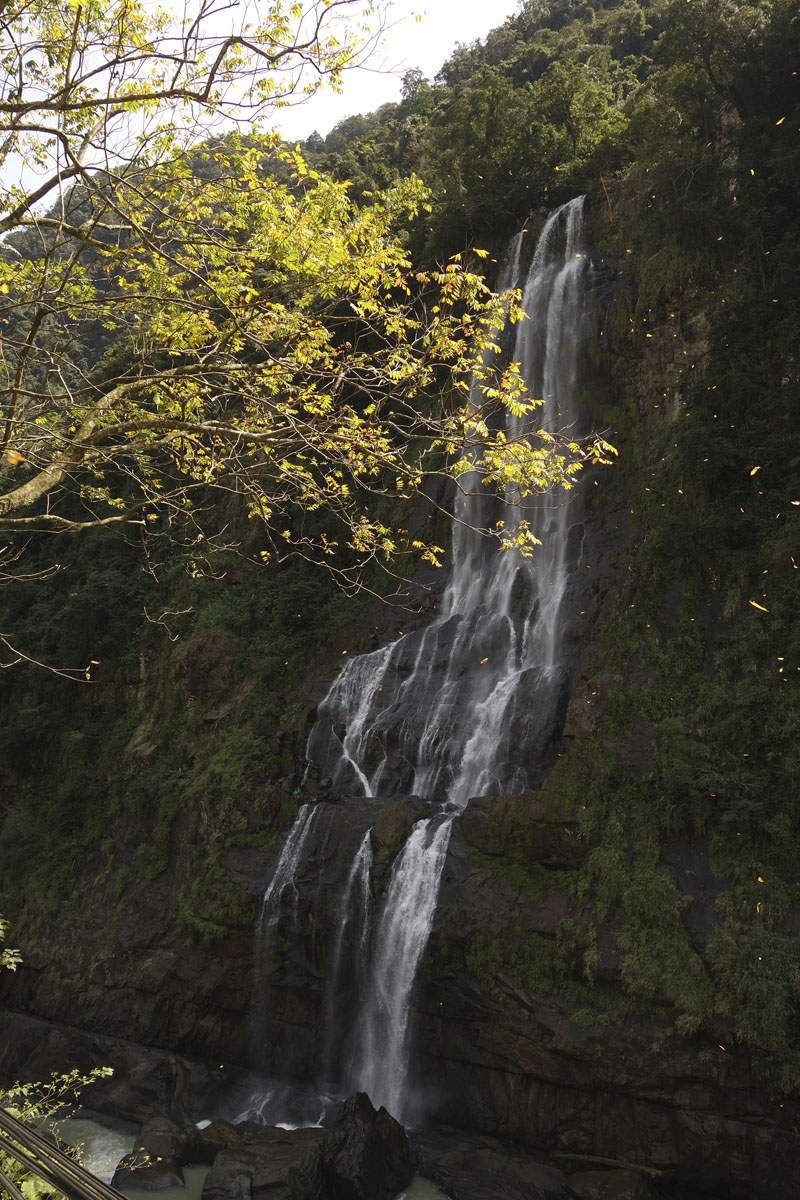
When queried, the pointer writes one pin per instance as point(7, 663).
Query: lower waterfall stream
point(459, 708)
point(399, 940)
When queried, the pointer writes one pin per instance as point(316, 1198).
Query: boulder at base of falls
point(144, 1173)
point(217, 1136)
point(286, 1164)
point(366, 1155)
point(161, 1138)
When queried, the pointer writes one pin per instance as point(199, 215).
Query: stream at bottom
point(102, 1147)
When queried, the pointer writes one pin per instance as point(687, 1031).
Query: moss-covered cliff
point(137, 812)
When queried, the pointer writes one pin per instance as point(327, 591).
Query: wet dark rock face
point(505, 1060)
point(490, 1054)
point(481, 1168)
point(366, 1155)
point(285, 1164)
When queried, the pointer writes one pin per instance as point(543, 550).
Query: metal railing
point(39, 1156)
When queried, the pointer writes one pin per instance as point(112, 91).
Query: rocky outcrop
point(528, 828)
point(140, 1171)
point(161, 1138)
point(145, 1081)
point(283, 1163)
point(366, 1155)
point(500, 1057)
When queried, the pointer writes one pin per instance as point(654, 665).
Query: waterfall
point(290, 857)
point(465, 706)
point(353, 929)
point(281, 887)
point(445, 712)
point(399, 942)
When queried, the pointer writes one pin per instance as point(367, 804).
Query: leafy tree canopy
point(184, 310)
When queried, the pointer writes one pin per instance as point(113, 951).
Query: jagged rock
point(611, 1185)
point(284, 1163)
point(161, 1138)
point(145, 1081)
point(393, 825)
point(366, 1155)
point(142, 1172)
point(218, 1136)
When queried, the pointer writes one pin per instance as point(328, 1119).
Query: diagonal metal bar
point(39, 1156)
point(10, 1188)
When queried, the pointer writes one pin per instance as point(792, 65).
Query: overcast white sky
point(408, 43)
point(418, 34)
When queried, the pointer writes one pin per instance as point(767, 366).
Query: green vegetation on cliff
point(682, 123)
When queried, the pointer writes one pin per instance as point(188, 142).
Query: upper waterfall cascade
point(451, 711)
point(462, 707)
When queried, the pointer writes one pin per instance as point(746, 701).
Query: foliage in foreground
point(205, 313)
point(38, 1105)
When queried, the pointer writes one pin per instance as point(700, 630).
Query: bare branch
point(74, 674)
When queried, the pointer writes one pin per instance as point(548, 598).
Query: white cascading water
point(444, 713)
point(454, 710)
point(356, 908)
point(286, 869)
point(399, 942)
point(353, 926)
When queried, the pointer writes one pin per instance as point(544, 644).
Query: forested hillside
point(680, 756)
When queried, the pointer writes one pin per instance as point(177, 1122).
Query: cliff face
point(529, 1017)
point(614, 965)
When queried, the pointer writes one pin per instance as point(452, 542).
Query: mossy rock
point(393, 826)
point(523, 828)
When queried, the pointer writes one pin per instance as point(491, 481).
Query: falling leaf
point(483, 660)
point(781, 121)
point(14, 457)
point(754, 470)
point(759, 606)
